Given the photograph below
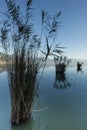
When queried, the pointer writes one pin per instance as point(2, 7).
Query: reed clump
point(61, 63)
point(61, 81)
point(79, 66)
point(25, 54)
point(22, 79)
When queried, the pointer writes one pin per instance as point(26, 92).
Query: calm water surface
point(59, 104)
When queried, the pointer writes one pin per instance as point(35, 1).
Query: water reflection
point(61, 82)
point(65, 107)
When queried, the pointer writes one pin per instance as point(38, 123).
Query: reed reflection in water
point(61, 82)
point(67, 109)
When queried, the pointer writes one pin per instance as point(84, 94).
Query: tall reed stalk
point(25, 54)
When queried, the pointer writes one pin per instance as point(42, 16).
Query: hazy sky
point(73, 32)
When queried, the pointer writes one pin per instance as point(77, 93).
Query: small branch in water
point(39, 110)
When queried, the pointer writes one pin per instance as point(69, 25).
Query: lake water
point(59, 104)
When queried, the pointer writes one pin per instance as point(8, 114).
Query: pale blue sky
point(73, 32)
